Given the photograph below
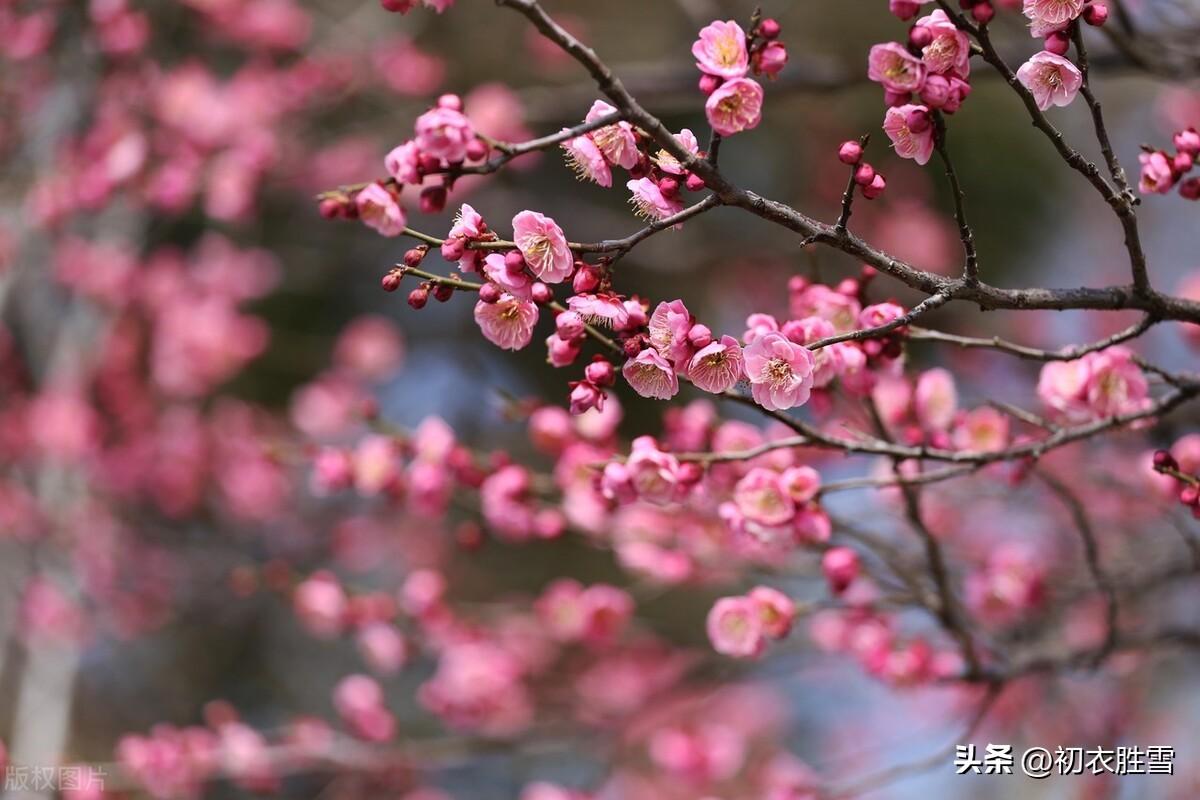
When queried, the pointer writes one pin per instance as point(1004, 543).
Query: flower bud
point(451, 101)
point(920, 36)
point(891, 98)
point(586, 279)
point(1095, 14)
point(864, 175)
point(669, 187)
point(918, 120)
point(477, 150)
point(601, 372)
point(769, 28)
point(1164, 460)
point(876, 188)
point(513, 261)
point(850, 153)
point(541, 293)
point(414, 257)
point(983, 12)
point(1189, 495)
point(1188, 141)
point(700, 336)
point(560, 352)
point(432, 200)
point(904, 9)
point(709, 83)
point(391, 281)
point(570, 325)
point(398, 6)
point(490, 293)
point(418, 297)
point(1058, 43)
point(585, 396)
point(443, 292)
point(694, 183)
point(771, 60)
point(329, 208)
point(936, 91)
point(841, 567)
point(430, 162)
point(453, 249)
point(1190, 189)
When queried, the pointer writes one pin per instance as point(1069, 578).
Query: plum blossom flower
point(776, 609)
point(983, 429)
point(507, 323)
point(616, 142)
point(653, 474)
point(649, 202)
point(444, 133)
point(917, 145)
point(379, 210)
point(735, 106)
point(404, 163)
point(1052, 13)
point(780, 372)
point(651, 375)
point(1116, 384)
point(935, 399)
point(735, 627)
point(1052, 79)
point(761, 497)
point(950, 50)
point(516, 282)
point(588, 163)
point(717, 367)
point(601, 310)
point(543, 245)
point(721, 50)
point(669, 163)
point(1157, 175)
point(898, 70)
point(1062, 387)
point(668, 330)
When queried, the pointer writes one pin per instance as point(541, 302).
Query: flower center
point(779, 372)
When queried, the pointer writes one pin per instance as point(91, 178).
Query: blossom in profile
point(379, 210)
point(616, 141)
point(586, 161)
point(949, 51)
point(721, 50)
point(780, 372)
point(735, 106)
point(543, 245)
point(444, 133)
point(649, 202)
point(669, 163)
point(1051, 79)
point(1157, 175)
point(1052, 14)
point(508, 322)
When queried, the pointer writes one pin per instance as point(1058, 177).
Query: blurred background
point(174, 311)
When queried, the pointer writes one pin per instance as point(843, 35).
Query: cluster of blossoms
point(740, 626)
point(1161, 172)
point(1051, 78)
point(1099, 385)
point(725, 55)
point(931, 69)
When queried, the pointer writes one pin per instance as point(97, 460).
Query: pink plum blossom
point(444, 133)
point(721, 50)
point(935, 399)
point(651, 375)
point(649, 202)
point(616, 141)
point(780, 372)
point(379, 210)
point(601, 310)
point(507, 323)
point(669, 163)
point(543, 245)
point(1052, 79)
point(735, 627)
point(1157, 176)
point(1055, 13)
point(717, 367)
point(917, 145)
point(586, 161)
point(776, 609)
point(735, 106)
point(898, 70)
point(762, 497)
point(950, 49)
